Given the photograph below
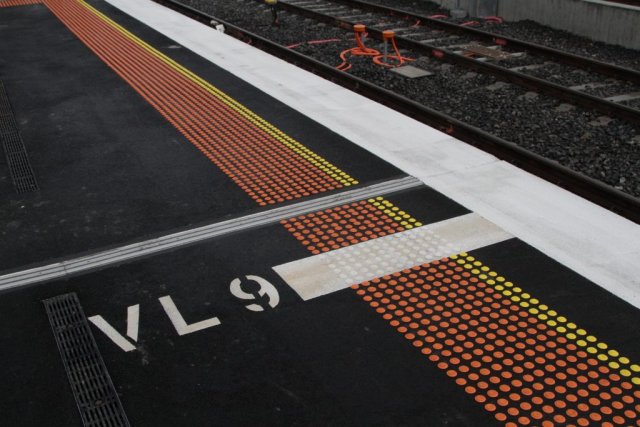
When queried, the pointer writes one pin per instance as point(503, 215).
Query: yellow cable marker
point(258, 121)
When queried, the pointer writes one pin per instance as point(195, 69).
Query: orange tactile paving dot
point(252, 155)
point(511, 361)
point(10, 3)
point(346, 225)
point(519, 367)
point(521, 370)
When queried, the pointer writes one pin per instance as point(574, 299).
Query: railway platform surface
point(250, 243)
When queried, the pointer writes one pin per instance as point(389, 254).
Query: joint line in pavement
point(72, 266)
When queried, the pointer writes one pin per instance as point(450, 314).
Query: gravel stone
point(498, 86)
point(601, 121)
point(574, 137)
point(565, 107)
point(635, 103)
point(529, 96)
point(535, 33)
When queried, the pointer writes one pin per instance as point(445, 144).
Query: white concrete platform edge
point(598, 244)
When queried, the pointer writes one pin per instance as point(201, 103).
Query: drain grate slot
point(7, 123)
point(24, 180)
point(91, 384)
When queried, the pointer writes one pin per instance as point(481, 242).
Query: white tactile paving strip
point(332, 271)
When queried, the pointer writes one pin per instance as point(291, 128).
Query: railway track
point(574, 79)
point(436, 23)
point(576, 182)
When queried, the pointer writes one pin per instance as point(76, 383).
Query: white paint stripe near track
point(332, 271)
point(183, 238)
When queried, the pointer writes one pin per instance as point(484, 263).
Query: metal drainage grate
point(91, 384)
point(24, 180)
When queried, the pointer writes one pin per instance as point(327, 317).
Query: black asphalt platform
point(111, 169)
point(327, 361)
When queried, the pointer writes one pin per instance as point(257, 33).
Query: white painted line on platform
point(195, 235)
point(332, 271)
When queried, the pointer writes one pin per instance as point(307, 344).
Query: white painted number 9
point(266, 288)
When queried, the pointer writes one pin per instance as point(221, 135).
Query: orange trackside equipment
point(387, 36)
point(362, 50)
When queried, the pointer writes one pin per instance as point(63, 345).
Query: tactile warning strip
point(520, 369)
point(521, 360)
point(321, 274)
point(592, 345)
point(349, 224)
point(91, 384)
point(268, 165)
point(12, 3)
point(24, 180)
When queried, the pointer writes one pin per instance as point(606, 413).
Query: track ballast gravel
point(605, 149)
point(533, 32)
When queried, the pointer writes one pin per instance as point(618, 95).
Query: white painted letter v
point(133, 324)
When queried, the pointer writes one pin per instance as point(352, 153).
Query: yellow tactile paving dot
point(406, 220)
point(346, 225)
point(523, 362)
point(259, 122)
point(268, 165)
point(581, 337)
point(521, 370)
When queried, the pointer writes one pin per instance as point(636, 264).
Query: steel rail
point(576, 182)
point(531, 83)
point(635, 3)
point(615, 71)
